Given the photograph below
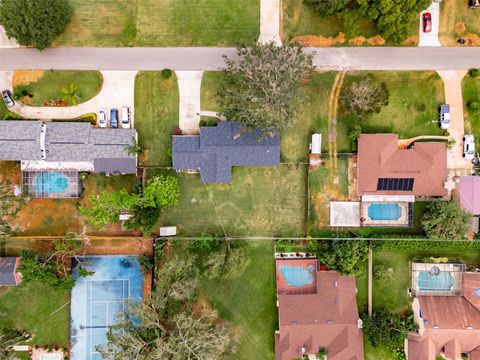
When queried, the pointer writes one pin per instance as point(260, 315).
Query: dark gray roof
point(7, 271)
point(64, 141)
point(112, 166)
point(220, 147)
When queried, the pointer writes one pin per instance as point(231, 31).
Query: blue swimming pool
point(297, 276)
point(98, 301)
point(435, 280)
point(48, 182)
point(384, 211)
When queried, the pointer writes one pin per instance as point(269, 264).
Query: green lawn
point(415, 97)
point(32, 306)
point(156, 115)
point(259, 201)
point(162, 23)
point(210, 84)
point(50, 85)
point(248, 302)
point(471, 92)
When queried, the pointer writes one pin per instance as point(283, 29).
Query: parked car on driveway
point(114, 118)
point(125, 117)
point(7, 98)
point(427, 22)
point(469, 146)
point(444, 116)
point(102, 118)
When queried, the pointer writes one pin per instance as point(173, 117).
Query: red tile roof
point(380, 157)
point(327, 318)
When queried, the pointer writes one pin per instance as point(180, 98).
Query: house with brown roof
point(447, 311)
point(317, 311)
point(386, 169)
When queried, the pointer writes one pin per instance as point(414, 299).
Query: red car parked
point(427, 22)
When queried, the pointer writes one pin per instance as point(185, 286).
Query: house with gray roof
point(52, 154)
point(8, 271)
point(75, 145)
point(218, 148)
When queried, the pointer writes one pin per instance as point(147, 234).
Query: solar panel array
point(398, 184)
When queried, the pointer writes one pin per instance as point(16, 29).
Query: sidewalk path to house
point(189, 84)
point(117, 91)
point(270, 22)
point(430, 38)
point(203, 59)
point(456, 164)
point(5, 42)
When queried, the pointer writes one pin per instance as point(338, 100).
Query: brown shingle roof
point(327, 318)
point(451, 323)
point(380, 157)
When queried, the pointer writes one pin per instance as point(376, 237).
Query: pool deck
point(284, 288)
point(455, 271)
point(402, 220)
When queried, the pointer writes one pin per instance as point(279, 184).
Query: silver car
point(102, 118)
point(469, 147)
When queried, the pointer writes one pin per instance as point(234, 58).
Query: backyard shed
point(316, 144)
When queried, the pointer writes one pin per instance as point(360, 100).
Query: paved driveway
point(431, 38)
point(270, 22)
point(189, 84)
point(117, 91)
point(456, 164)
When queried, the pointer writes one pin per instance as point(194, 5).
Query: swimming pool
point(435, 280)
point(384, 211)
point(98, 301)
point(298, 276)
point(49, 182)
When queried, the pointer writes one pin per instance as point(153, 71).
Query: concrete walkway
point(213, 114)
point(117, 91)
point(456, 163)
point(5, 42)
point(270, 22)
point(189, 85)
point(431, 38)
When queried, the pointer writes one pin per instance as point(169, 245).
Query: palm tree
point(70, 94)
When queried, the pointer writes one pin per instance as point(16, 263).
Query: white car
point(102, 118)
point(444, 116)
point(469, 147)
point(125, 117)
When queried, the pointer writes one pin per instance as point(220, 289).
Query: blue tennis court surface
point(99, 300)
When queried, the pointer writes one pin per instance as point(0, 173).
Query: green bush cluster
point(166, 73)
point(208, 122)
point(473, 73)
point(424, 245)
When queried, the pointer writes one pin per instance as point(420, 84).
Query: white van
point(125, 117)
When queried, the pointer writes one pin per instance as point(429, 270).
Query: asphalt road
point(352, 58)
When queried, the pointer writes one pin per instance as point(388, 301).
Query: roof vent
point(436, 327)
point(329, 321)
point(477, 292)
point(469, 327)
point(336, 284)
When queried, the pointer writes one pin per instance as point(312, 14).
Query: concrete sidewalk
point(117, 91)
point(189, 85)
point(5, 42)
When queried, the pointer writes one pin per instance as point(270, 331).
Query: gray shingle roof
point(64, 141)
point(220, 147)
point(7, 271)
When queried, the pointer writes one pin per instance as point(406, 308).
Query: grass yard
point(162, 23)
point(471, 92)
point(210, 83)
point(48, 85)
point(457, 20)
point(325, 185)
point(32, 306)
point(259, 201)
point(248, 302)
point(156, 115)
point(415, 97)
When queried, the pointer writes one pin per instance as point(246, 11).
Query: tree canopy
point(263, 89)
point(344, 256)
point(394, 19)
point(35, 23)
point(365, 96)
point(445, 220)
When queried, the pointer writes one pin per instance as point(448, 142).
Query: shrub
point(166, 73)
point(473, 73)
point(84, 175)
point(473, 105)
point(146, 262)
point(211, 122)
point(424, 245)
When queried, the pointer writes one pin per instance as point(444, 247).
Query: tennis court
point(99, 301)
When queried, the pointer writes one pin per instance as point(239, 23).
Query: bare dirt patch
point(472, 39)
point(119, 246)
point(376, 40)
point(320, 41)
point(10, 170)
point(359, 40)
point(460, 27)
point(411, 41)
point(21, 77)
